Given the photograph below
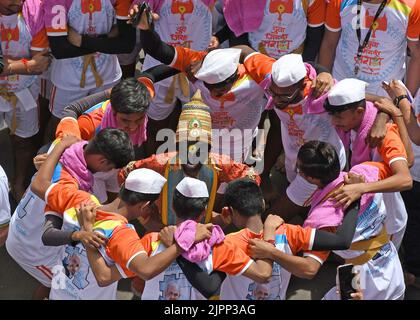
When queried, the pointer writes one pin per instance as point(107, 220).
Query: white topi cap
point(288, 70)
point(218, 65)
point(144, 181)
point(193, 188)
point(347, 91)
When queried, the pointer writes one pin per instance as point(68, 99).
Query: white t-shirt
point(384, 56)
point(283, 28)
point(382, 276)
point(171, 284)
point(4, 199)
point(298, 127)
point(193, 29)
point(66, 73)
point(74, 279)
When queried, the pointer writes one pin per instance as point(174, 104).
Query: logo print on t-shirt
point(174, 286)
point(280, 7)
point(9, 34)
point(74, 268)
point(90, 7)
point(380, 23)
point(182, 7)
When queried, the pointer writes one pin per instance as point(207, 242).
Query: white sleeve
point(4, 199)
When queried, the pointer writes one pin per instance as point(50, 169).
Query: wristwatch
point(398, 99)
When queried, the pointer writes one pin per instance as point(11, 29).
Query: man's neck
point(254, 224)
point(115, 206)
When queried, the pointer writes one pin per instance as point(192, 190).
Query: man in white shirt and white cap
point(235, 99)
point(353, 117)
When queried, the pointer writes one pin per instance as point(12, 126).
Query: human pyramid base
point(186, 147)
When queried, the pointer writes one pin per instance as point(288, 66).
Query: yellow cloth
point(89, 60)
point(12, 99)
point(371, 246)
point(182, 80)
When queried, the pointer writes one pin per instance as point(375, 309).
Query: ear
point(226, 212)
point(360, 110)
point(144, 205)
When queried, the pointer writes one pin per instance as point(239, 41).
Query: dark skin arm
point(42, 180)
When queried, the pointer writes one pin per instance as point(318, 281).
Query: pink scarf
point(361, 151)
point(324, 214)
point(196, 252)
point(109, 120)
point(244, 15)
point(73, 160)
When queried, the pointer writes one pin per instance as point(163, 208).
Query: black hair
point(318, 159)
point(188, 208)
point(130, 96)
point(331, 109)
point(114, 144)
point(245, 196)
point(133, 197)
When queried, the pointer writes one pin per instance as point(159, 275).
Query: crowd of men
point(165, 174)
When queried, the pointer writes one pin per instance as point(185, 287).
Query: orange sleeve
point(148, 240)
point(64, 195)
point(231, 170)
point(298, 238)
point(229, 259)
point(87, 126)
point(332, 16)
point(413, 28)
point(184, 57)
point(122, 247)
point(121, 9)
point(319, 256)
point(392, 148)
point(384, 170)
point(149, 85)
point(316, 13)
point(40, 41)
point(68, 126)
point(258, 66)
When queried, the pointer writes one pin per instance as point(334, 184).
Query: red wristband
point(25, 62)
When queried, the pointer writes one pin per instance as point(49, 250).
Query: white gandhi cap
point(347, 91)
point(193, 188)
point(144, 181)
point(288, 70)
point(219, 65)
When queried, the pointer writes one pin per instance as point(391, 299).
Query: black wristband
point(398, 99)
